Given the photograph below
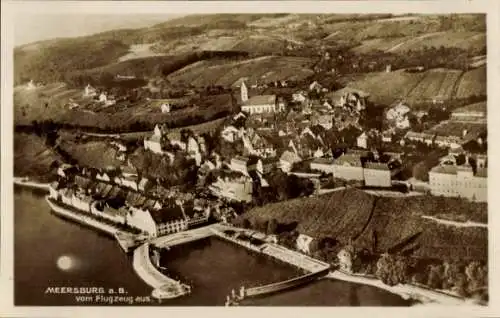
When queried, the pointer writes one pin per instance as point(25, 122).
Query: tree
point(272, 226)
point(392, 270)
point(435, 277)
point(245, 223)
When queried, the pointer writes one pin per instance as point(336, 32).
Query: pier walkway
point(164, 286)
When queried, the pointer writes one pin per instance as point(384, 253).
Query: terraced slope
point(396, 223)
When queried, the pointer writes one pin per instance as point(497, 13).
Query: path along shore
point(406, 291)
point(25, 182)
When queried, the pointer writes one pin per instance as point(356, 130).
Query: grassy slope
point(261, 69)
point(414, 87)
point(92, 154)
point(473, 83)
point(31, 156)
point(353, 213)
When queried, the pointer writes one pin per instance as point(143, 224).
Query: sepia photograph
point(248, 159)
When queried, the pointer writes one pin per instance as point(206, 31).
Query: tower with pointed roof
point(244, 92)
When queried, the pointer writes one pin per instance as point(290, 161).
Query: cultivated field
point(463, 40)
point(416, 88)
point(396, 222)
point(385, 88)
point(452, 128)
point(437, 83)
point(96, 154)
point(472, 83)
point(260, 70)
point(51, 102)
point(31, 156)
point(42, 103)
point(138, 51)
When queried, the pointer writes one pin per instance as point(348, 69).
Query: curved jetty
point(164, 286)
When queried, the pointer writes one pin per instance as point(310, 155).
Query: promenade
point(80, 218)
point(406, 291)
point(25, 182)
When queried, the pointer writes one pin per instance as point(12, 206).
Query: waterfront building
point(81, 202)
point(66, 196)
point(141, 218)
point(54, 190)
point(109, 210)
point(345, 257)
point(303, 242)
point(169, 220)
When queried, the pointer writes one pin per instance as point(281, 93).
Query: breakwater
point(315, 268)
point(284, 285)
point(164, 286)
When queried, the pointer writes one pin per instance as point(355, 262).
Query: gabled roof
point(444, 169)
point(260, 100)
point(348, 159)
point(290, 157)
point(240, 159)
point(82, 182)
point(169, 214)
point(322, 161)
point(376, 166)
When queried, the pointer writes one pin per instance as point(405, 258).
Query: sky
point(32, 27)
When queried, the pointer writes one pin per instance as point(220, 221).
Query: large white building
point(153, 142)
point(377, 175)
point(460, 181)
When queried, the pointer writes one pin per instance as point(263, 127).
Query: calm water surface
point(213, 267)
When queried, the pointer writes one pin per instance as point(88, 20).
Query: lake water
point(52, 252)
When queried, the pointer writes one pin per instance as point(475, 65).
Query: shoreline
point(25, 182)
point(427, 297)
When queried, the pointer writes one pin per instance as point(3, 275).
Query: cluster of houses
point(121, 200)
point(275, 134)
point(163, 142)
point(102, 97)
point(364, 166)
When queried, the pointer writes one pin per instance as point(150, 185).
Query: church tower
point(244, 92)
